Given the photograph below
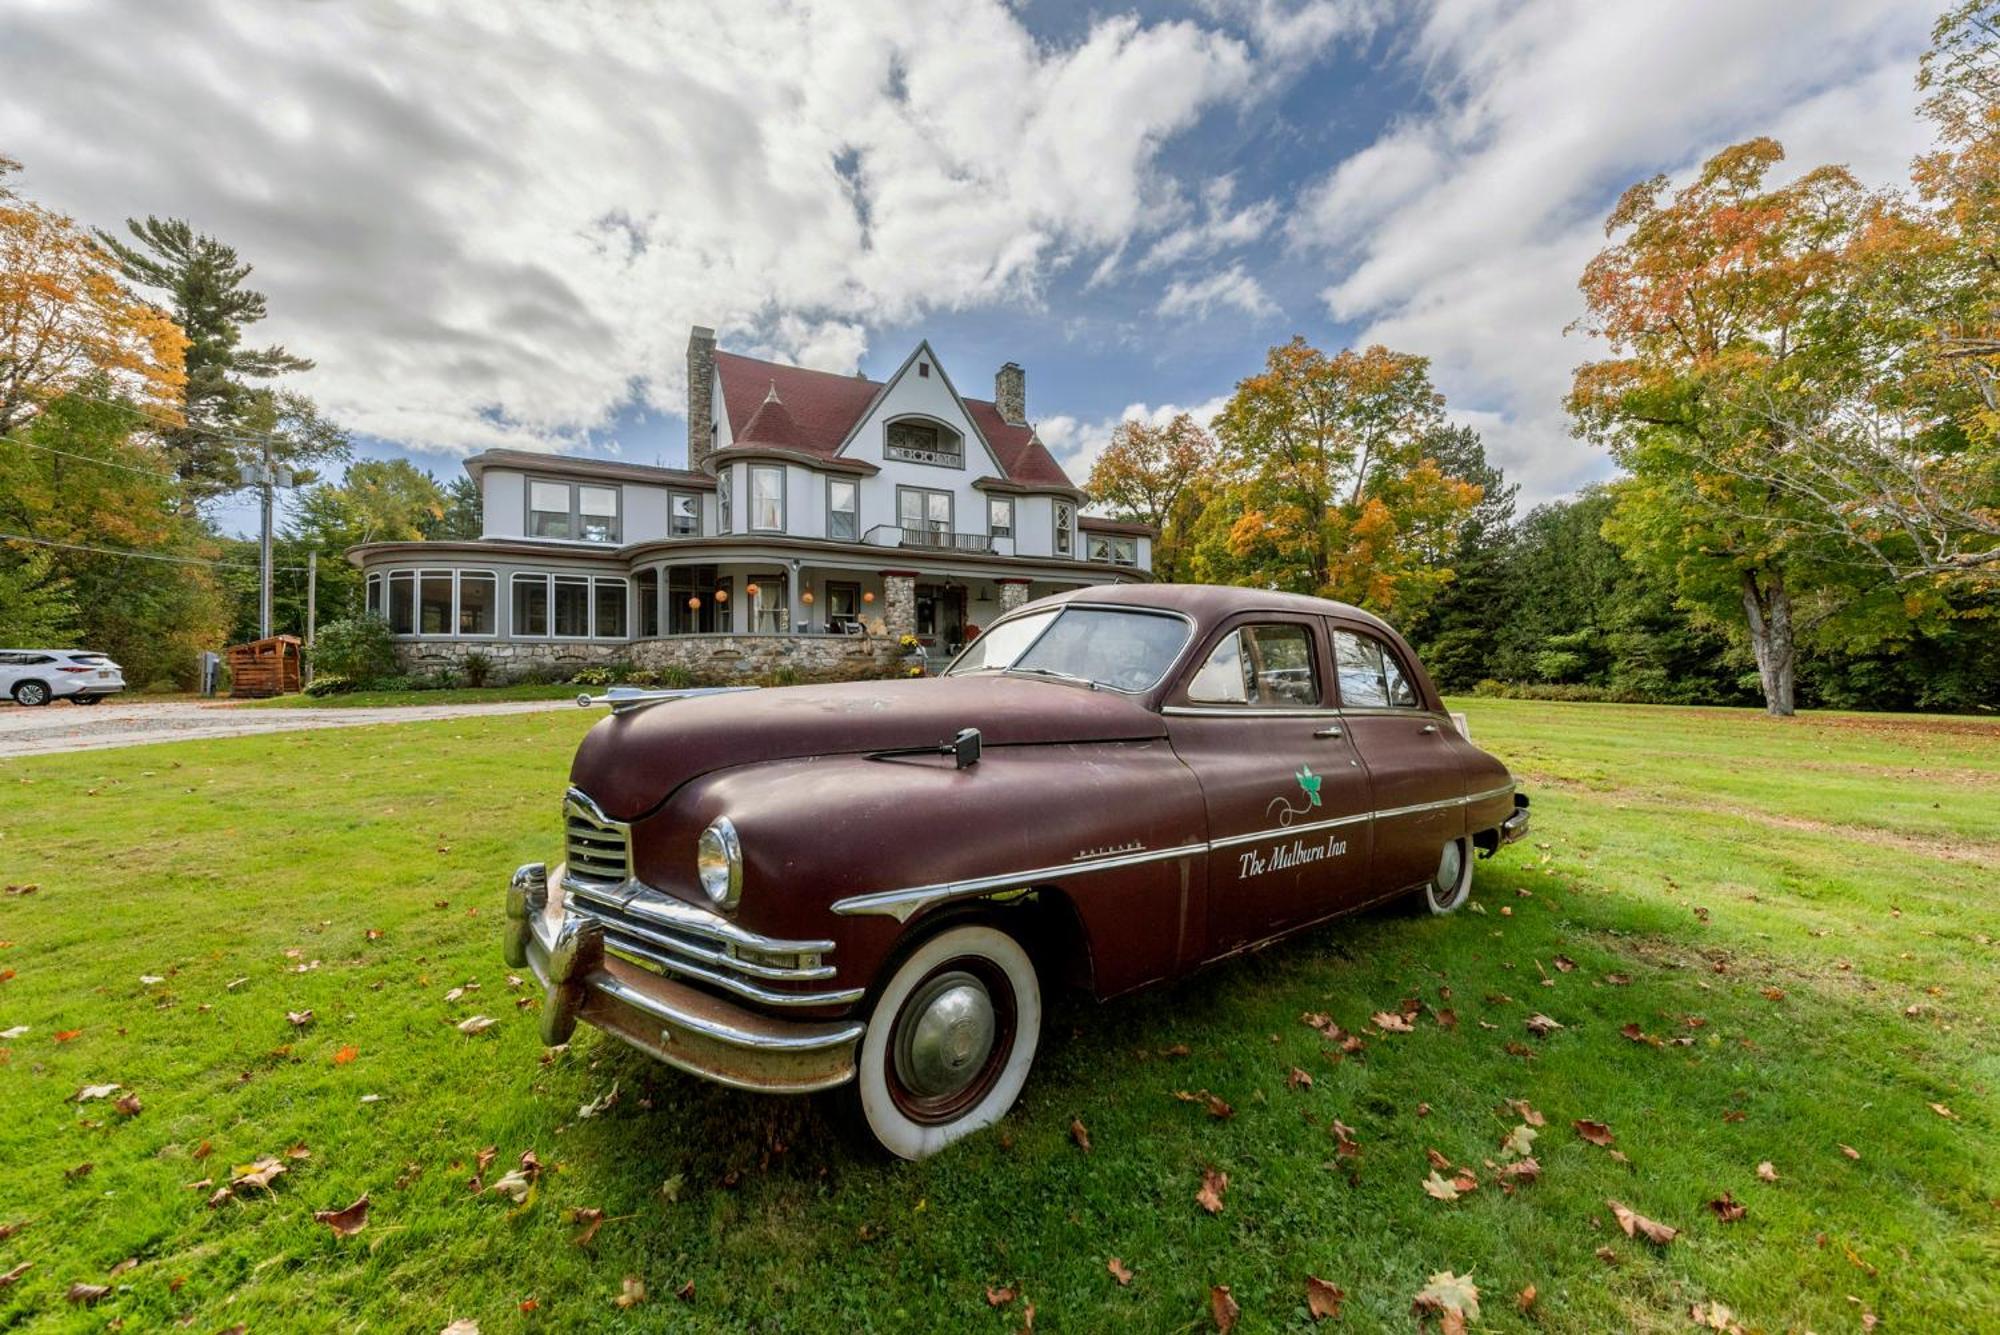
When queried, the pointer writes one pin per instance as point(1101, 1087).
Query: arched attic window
point(923, 440)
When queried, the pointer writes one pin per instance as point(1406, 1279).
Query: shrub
point(329, 684)
point(539, 674)
point(786, 675)
point(477, 667)
point(358, 648)
point(675, 677)
point(162, 686)
point(910, 644)
point(592, 676)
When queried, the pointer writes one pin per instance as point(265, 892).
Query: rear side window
point(86, 658)
point(1259, 665)
point(1370, 676)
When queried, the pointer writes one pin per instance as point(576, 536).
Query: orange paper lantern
point(750, 589)
point(807, 597)
point(722, 595)
point(868, 597)
point(694, 603)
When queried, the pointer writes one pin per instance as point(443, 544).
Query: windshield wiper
point(1059, 676)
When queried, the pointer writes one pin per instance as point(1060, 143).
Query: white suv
point(37, 676)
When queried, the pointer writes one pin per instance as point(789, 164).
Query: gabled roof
point(823, 409)
point(772, 424)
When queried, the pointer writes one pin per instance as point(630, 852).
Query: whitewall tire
point(949, 1043)
point(1451, 884)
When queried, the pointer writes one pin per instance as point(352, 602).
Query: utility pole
point(312, 608)
point(265, 478)
point(264, 549)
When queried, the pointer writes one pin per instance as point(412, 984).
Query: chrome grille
point(596, 847)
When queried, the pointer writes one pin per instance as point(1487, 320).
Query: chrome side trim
point(1258, 836)
point(901, 904)
point(724, 1033)
point(1502, 791)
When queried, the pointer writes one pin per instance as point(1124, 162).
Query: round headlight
point(718, 861)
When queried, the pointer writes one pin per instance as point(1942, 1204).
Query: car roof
point(1209, 603)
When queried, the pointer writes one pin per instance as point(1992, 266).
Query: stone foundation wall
point(705, 657)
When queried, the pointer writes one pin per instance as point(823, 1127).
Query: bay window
point(531, 606)
point(1000, 516)
point(770, 612)
point(1065, 519)
point(723, 517)
point(647, 590)
point(571, 606)
point(683, 514)
point(402, 602)
point(923, 513)
point(609, 595)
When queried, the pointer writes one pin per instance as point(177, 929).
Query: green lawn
point(1804, 911)
point(460, 695)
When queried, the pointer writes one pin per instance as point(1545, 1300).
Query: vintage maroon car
point(868, 886)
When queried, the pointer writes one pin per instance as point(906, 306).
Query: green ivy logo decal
point(1282, 807)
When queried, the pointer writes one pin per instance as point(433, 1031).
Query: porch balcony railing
point(929, 539)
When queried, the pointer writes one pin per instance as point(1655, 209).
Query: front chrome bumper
point(680, 1025)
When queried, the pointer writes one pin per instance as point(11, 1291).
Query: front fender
point(819, 831)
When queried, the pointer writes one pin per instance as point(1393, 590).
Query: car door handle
point(1326, 732)
point(1428, 728)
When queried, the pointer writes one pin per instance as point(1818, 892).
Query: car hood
point(631, 762)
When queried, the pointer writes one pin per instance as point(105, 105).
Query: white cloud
point(1233, 286)
point(1296, 31)
point(1076, 443)
point(1461, 231)
point(494, 222)
point(1218, 228)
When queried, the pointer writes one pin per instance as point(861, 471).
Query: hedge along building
point(821, 518)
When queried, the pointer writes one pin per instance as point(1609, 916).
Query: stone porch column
point(899, 602)
point(1013, 594)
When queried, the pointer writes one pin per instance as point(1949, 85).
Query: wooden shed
point(265, 667)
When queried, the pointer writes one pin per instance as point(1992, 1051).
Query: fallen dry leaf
point(591, 1218)
point(1323, 1300)
point(478, 1024)
point(1452, 1299)
point(1345, 1144)
point(299, 1019)
point(1520, 1142)
point(129, 1106)
point(1217, 1109)
point(1527, 1114)
point(1525, 1299)
point(1767, 1172)
point(603, 1103)
point(1774, 994)
point(14, 1274)
point(1564, 964)
point(1727, 1208)
point(1850, 1151)
point(1298, 1079)
point(221, 1194)
point(465, 1325)
point(1119, 1271)
point(1437, 1187)
point(1944, 1112)
point(1080, 1134)
point(1213, 1184)
point(1714, 1316)
point(345, 1223)
point(631, 1292)
point(1223, 1308)
point(1597, 1133)
point(482, 1159)
point(514, 1186)
point(1517, 1172)
point(259, 1174)
point(89, 1092)
point(1608, 1256)
point(1541, 1026)
point(1637, 1225)
point(1392, 1022)
point(345, 1054)
point(87, 1294)
point(1000, 1297)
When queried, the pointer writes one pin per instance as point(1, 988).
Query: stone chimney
point(1010, 394)
point(701, 395)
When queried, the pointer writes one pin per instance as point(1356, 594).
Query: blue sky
point(493, 223)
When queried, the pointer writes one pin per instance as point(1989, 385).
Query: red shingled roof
point(819, 408)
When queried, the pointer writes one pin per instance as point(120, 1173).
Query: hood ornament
point(625, 699)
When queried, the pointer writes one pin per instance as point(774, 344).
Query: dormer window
point(922, 442)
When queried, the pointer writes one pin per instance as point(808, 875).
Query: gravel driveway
point(66, 727)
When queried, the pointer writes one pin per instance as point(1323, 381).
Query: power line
point(140, 556)
point(89, 459)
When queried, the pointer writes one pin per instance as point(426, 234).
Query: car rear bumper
point(679, 1024)
point(1515, 827)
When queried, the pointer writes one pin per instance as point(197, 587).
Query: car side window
point(1370, 676)
point(1259, 665)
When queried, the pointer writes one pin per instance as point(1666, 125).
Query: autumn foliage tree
point(1327, 485)
point(1160, 475)
point(65, 317)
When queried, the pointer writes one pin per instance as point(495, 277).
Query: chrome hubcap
point(946, 1037)
point(1450, 866)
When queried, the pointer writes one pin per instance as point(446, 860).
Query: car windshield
point(1125, 650)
